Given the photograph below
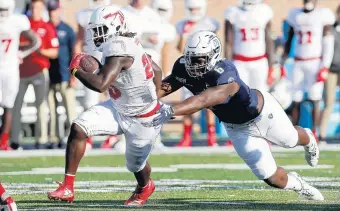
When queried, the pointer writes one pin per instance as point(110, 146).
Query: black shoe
point(15, 146)
point(50, 145)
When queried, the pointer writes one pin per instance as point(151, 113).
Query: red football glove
point(322, 75)
point(75, 61)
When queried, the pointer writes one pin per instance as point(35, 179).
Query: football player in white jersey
point(131, 78)
point(12, 26)
point(314, 54)
point(195, 20)
point(164, 8)
point(81, 45)
point(248, 41)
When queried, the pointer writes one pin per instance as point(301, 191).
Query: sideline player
point(6, 201)
point(82, 45)
point(249, 43)
point(11, 27)
point(131, 79)
point(250, 116)
point(196, 20)
point(313, 56)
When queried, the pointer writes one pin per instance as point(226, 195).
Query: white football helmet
point(94, 4)
point(201, 53)
point(164, 8)
point(106, 22)
point(249, 4)
point(6, 8)
point(282, 92)
point(195, 4)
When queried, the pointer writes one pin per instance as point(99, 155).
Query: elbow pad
point(327, 50)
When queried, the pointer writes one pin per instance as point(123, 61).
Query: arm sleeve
point(179, 27)
point(328, 17)
point(117, 47)
point(24, 23)
point(226, 75)
point(216, 24)
point(174, 79)
point(290, 18)
point(268, 13)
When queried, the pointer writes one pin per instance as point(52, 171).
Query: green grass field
point(224, 184)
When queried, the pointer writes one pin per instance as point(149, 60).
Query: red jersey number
point(305, 37)
point(249, 34)
point(147, 63)
point(6, 43)
point(114, 92)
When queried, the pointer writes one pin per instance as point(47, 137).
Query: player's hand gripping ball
point(84, 62)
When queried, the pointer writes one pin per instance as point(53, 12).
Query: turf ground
point(196, 181)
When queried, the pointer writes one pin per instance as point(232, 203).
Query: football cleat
point(307, 190)
point(141, 195)
point(109, 142)
point(185, 142)
point(63, 193)
point(8, 205)
point(5, 147)
point(312, 151)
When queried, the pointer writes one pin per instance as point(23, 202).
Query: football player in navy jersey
point(251, 117)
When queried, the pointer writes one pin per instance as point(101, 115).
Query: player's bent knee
point(77, 132)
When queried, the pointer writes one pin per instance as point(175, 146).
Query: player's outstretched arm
point(169, 85)
point(210, 97)
point(106, 75)
point(34, 43)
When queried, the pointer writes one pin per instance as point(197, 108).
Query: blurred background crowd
point(49, 98)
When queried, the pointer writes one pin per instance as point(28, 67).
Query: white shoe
point(312, 151)
point(307, 190)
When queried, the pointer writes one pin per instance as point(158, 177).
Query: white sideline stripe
point(244, 166)
point(172, 168)
point(156, 151)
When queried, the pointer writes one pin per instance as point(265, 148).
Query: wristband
point(74, 71)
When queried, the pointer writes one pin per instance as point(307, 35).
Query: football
point(89, 64)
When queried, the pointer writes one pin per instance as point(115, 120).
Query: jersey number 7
point(6, 43)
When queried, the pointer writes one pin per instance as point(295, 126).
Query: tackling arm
point(168, 86)
point(228, 35)
point(210, 97)
point(34, 43)
point(107, 73)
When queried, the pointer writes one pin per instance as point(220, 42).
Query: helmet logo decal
point(118, 13)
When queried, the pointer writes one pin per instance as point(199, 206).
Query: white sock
point(310, 139)
point(293, 183)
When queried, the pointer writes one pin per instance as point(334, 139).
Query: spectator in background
point(332, 80)
point(59, 73)
point(164, 8)
point(196, 20)
point(34, 70)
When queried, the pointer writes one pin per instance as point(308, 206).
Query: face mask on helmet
point(6, 8)
point(309, 6)
point(249, 4)
point(195, 9)
point(106, 22)
point(164, 8)
point(201, 54)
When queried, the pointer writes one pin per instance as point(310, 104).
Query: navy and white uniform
point(248, 128)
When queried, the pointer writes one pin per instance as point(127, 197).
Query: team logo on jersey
point(181, 80)
point(182, 61)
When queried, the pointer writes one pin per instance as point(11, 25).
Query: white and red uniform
point(83, 18)
point(308, 27)
point(146, 22)
point(249, 45)
point(185, 28)
point(133, 103)
point(10, 30)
